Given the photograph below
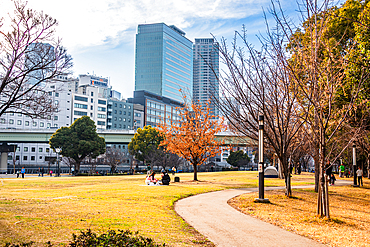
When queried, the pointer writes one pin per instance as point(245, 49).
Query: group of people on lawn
point(151, 180)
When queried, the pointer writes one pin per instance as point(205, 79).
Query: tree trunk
point(195, 166)
point(288, 185)
point(317, 171)
point(281, 174)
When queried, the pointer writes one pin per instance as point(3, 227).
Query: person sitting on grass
point(165, 177)
point(151, 179)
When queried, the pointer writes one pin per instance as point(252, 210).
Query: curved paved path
point(210, 215)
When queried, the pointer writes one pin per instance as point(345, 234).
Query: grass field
point(349, 209)
point(40, 209)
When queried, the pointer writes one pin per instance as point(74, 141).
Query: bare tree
point(30, 56)
point(321, 75)
point(69, 162)
point(258, 83)
point(113, 157)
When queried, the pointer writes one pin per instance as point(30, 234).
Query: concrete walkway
point(210, 215)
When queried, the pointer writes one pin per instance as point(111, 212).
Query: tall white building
point(88, 103)
point(206, 73)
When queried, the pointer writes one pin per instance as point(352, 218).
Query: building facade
point(88, 103)
point(157, 109)
point(164, 61)
point(33, 154)
point(206, 73)
point(120, 115)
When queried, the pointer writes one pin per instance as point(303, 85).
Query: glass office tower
point(206, 73)
point(164, 61)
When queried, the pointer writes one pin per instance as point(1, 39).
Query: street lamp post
point(261, 174)
point(57, 150)
point(354, 167)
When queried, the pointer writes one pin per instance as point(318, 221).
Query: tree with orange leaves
point(193, 136)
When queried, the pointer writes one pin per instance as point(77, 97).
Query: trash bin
point(177, 179)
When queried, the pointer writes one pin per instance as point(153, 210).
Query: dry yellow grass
point(43, 209)
point(349, 209)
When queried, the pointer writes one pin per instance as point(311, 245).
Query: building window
point(25, 157)
point(17, 157)
point(40, 149)
point(115, 104)
point(3, 120)
point(79, 98)
point(40, 157)
point(56, 125)
point(115, 125)
point(101, 109)
point(34, 124)
point(124, 113)
point(33, 149)
point(56, 94)
point(124, 106)
point(120, 105)
point(101, 116)
point(55, 117)
point(120, 112)
point(101, 123)
point(92, 101)
point(48, 125)
point(92, 94)
point(50, 93)
point(32, 157)
point(11, 121)
point(91, 107)
point(102, 102)
point(19, 122)
point(47, 150)
point(91, 115)
point(48, 117)
point(120, 126)
point(81, 106)
point(25, 149)
point(80, 113)
point(56, 102)
point(41, 124)
point(115, 111)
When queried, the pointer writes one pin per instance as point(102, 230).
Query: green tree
point(78, 141)
point(237, 158)
point(144, 141)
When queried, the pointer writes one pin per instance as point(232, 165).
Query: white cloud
point(84, 23)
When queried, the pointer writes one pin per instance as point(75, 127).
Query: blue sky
point(100, 34)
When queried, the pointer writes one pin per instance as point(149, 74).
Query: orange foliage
point(193, 136)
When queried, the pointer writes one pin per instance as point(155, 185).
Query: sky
point(100, 34)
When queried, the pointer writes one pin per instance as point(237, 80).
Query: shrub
point(112, 238)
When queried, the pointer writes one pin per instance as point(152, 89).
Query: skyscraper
point(206, 73)
point(164, 61)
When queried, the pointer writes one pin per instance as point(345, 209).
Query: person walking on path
point(342, 169)
point(42, 171)
point(51, 173)
point(359, 174)
point(23, 171)
point(17, 174)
